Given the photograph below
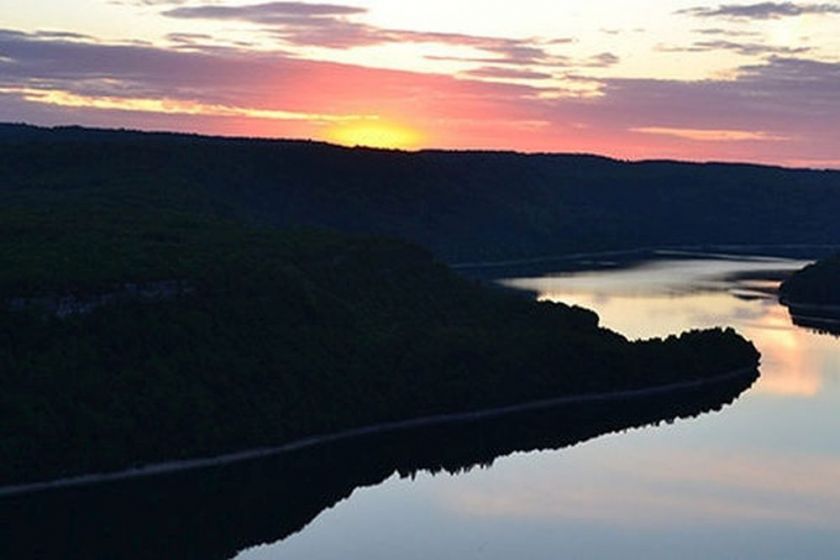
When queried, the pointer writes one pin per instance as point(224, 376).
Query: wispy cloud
point(267, 13)
point(92, 76)
point(148, 2)
point(743, 48)
point(165, 106)
point(507, 73)
point(763, 10)
point(707, 135)
point(333, 26)
point(727, 32)
point(602, 60)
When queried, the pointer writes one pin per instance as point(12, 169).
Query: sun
point(375, 134)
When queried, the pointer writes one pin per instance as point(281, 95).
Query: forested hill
point(129, 337)
point(464, 206)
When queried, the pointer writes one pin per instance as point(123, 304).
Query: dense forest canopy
point(463, 206)
point(188, 336)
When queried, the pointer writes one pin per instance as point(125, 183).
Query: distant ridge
point(463, 205)
point(16, 130)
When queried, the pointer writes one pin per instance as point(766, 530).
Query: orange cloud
point(705, 135)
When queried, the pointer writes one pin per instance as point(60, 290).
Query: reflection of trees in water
point(823, 320)
point(812, 296)
point(214, 513)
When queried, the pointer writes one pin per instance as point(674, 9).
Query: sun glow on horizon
point(674, 81)
point(376, 134)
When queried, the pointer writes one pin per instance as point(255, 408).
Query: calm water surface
point(761, 479)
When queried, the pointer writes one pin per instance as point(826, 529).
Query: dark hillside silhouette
point(130, 336)
point(813, 296)
point(464, 206)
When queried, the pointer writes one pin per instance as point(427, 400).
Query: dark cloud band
point(763, 10)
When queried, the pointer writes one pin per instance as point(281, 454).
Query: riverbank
point(812, 296)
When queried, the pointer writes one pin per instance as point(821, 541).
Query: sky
point(685, 79)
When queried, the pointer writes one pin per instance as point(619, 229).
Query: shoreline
point(168, 467)
point(795, 306)
point(698, 250)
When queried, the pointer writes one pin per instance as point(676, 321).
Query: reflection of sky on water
point(666, 491)
point(671, 296)
point(759, 480)
point(658, 278)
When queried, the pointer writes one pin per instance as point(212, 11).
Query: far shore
point(728, 251)
point(798, 308)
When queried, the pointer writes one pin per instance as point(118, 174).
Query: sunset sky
point(656, 79)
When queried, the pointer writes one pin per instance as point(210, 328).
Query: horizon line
point(525, 153)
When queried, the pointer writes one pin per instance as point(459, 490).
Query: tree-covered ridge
point(463, 206)
point(816, 284)
point(280, 335)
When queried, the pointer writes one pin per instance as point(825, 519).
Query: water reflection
point(791, 368)
point(757, 481)
point(672, 488)
point(666, 296)
point(214, 513)
point(817, 318)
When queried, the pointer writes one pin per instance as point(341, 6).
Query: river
point(758, 479)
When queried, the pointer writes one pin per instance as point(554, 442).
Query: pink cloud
point(786, 99)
